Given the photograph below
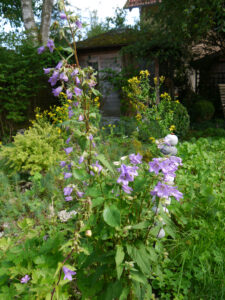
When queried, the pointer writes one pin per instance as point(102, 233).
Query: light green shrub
point(36, 151)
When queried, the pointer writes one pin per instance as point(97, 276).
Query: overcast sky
point(105, 8)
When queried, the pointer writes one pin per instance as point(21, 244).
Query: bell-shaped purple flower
point(127, 189)
point(79, 24)
point(63, 77)
point(47, 70)
point(62, 16)
point(62, 164)
point(69, 94)
point(77, 91)
point(68, 191)
point(135, 159)
point(75, 72)
point(57, 91)
point(81, 159)
point(77, 80)
point(68, 273)
point(68, 150)
point(80, 194)
point(41, 49)
point(25, 279)
point(67, 175)
point(59, 65)
point(51, 45)
point(69, 198)
point(54, 78)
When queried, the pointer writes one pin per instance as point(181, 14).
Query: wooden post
point(157, 76)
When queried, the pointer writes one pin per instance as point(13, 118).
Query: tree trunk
point(28, 19)
point(46, 20)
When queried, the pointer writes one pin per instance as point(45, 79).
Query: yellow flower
point(103, 128)
point(177, 101)
point(138, 117)
point(162, 79)
point(172, 127)
point(37, 115)
point(155, 80)
point(0, 143)
point(110, 125)
point(145, 73)
point(152, 139)
point(59, 131)
point(114, 126)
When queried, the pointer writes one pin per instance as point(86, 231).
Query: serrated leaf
point(111, 216)
point(138, 276)
point(141, 257)
point(104, 161)
point(141, 225)
point(119, 259)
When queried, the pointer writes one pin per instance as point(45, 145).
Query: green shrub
point(168, 116)
point(203, 110)
point(35, 151)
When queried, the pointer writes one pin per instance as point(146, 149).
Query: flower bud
point(88, 233)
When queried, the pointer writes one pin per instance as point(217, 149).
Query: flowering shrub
point(114, 216)
point(36, 150)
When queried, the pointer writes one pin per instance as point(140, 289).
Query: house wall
point(101, 60)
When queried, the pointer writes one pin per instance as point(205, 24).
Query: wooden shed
point(102, 52)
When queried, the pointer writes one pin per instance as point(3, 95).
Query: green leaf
point(82, 142)
point(141, 225)
point(97, 201)
point(119, 259)
point(111, 216)
point(141, 257)
point(124, 294)
point(138, 276)
point(104, 161)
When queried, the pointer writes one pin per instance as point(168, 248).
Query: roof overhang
point(139, 3)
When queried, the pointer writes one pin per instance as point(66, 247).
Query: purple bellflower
point(63, 77)
point(47, 70)
point(67, 175)
point(62, 164)
point(79, 24)
point(127, 189)
point(77, 80)
point(81, 159)
point(59, 65)
point(51, 45)
point(62, 16)
point(69, 94)
point(80, 194)
point(77, 91)
point(68, 140)
point(41, 49)
point(69, 198)
point(68, 150)
point(75, 72)
point(68, 273)
point(57, 91)
point(70, 114)
point(25, 279)
point(54, 78)
point(68, 191)
point(135, 159)
point(127, 174)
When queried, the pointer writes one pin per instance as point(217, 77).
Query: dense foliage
point(100, 226)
